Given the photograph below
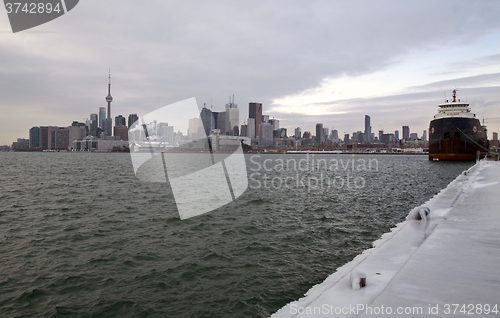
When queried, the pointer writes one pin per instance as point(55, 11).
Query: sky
point(307, 62)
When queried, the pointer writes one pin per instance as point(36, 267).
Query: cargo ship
point(456, 134)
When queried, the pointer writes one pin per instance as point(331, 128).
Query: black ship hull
point(457, 138)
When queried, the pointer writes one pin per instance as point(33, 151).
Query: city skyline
point(328, 62)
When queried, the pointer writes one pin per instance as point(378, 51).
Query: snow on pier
point(444, 265)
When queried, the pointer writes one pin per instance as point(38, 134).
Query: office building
point(380, 133)
point(396, 135)
point(233, 117)
point(34, 139)
point(495, 136)
point(265, 135)
point(424, 135)
point(298, 133)
point(102, 117)
point(319, 133)
point(275, 123)
point(77, 131)
point(255, 112)
point(406, 133)
point(132, 118)
point(207, 118)
point(368, 129)
point(265, 118)
point(251, 128)
point(120, 121)
point(121, 131)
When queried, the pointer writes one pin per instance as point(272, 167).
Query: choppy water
point(80, 236)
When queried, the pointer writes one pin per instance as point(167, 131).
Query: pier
point(447, 265)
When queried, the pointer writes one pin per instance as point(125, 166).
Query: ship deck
point(448, 266)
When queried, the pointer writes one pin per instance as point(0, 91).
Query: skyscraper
point(265, 135)
point(368, 129)
point(406, 132)
point(298, 133)
point(120, 120)
point(109, 99)
point(251, 128)
point(319, 133)
point(207, 118)
point(132, 118)
point(102, 117)
point(424, 135)
point(396, 135)
point(255, 112)
point(34, 137)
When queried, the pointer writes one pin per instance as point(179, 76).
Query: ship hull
point(457, 138)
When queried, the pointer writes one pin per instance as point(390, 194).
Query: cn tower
point(109, 99)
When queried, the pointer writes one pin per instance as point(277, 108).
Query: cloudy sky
point(308, 62)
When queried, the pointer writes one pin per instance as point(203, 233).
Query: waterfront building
point(396, 135)
point(265, 135)
point(255, 112)
point(368, 129)
point(319, 133)
point(413, 136)
point(21, 144)
point(121, 131)
point(380, 133)
point(307, 135)
point(325, 134)
point(495, 136)
point(406, 133)
point(424, 135)
point(76, 131)
point(251, 128)
point(346, 138)
point(34, 140)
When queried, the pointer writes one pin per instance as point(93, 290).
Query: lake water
point(81, 236)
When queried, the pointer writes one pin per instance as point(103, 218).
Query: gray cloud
point(162, 52)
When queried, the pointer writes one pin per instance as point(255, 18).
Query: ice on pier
point(452, 258)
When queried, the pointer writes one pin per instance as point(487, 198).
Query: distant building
point(194, 124)
point(325, 134)
point(307, 135)
point(380, 133)
point(255, 112)
point(406, 133)
point(386, 139)
point(265, 135)
point(121, 131)
point(275, 123)
point(233, 117)
point(368, 129)
point(132, 118)
point(34, 141)
point(396, 135)
point(265, 118)
point(207, 118)
point(413, 136)
point(102, 117)
point(298, 133)
point(76, 131)
point(495, 136)
point(424, 135)
point(222, 123)
point(362, 138)
point(346, 138)
point(251, 128)
point(319, 133)
point(244, 131)
point(120, 121)
point(21, 144)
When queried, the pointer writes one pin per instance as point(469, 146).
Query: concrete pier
point(445, 266)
